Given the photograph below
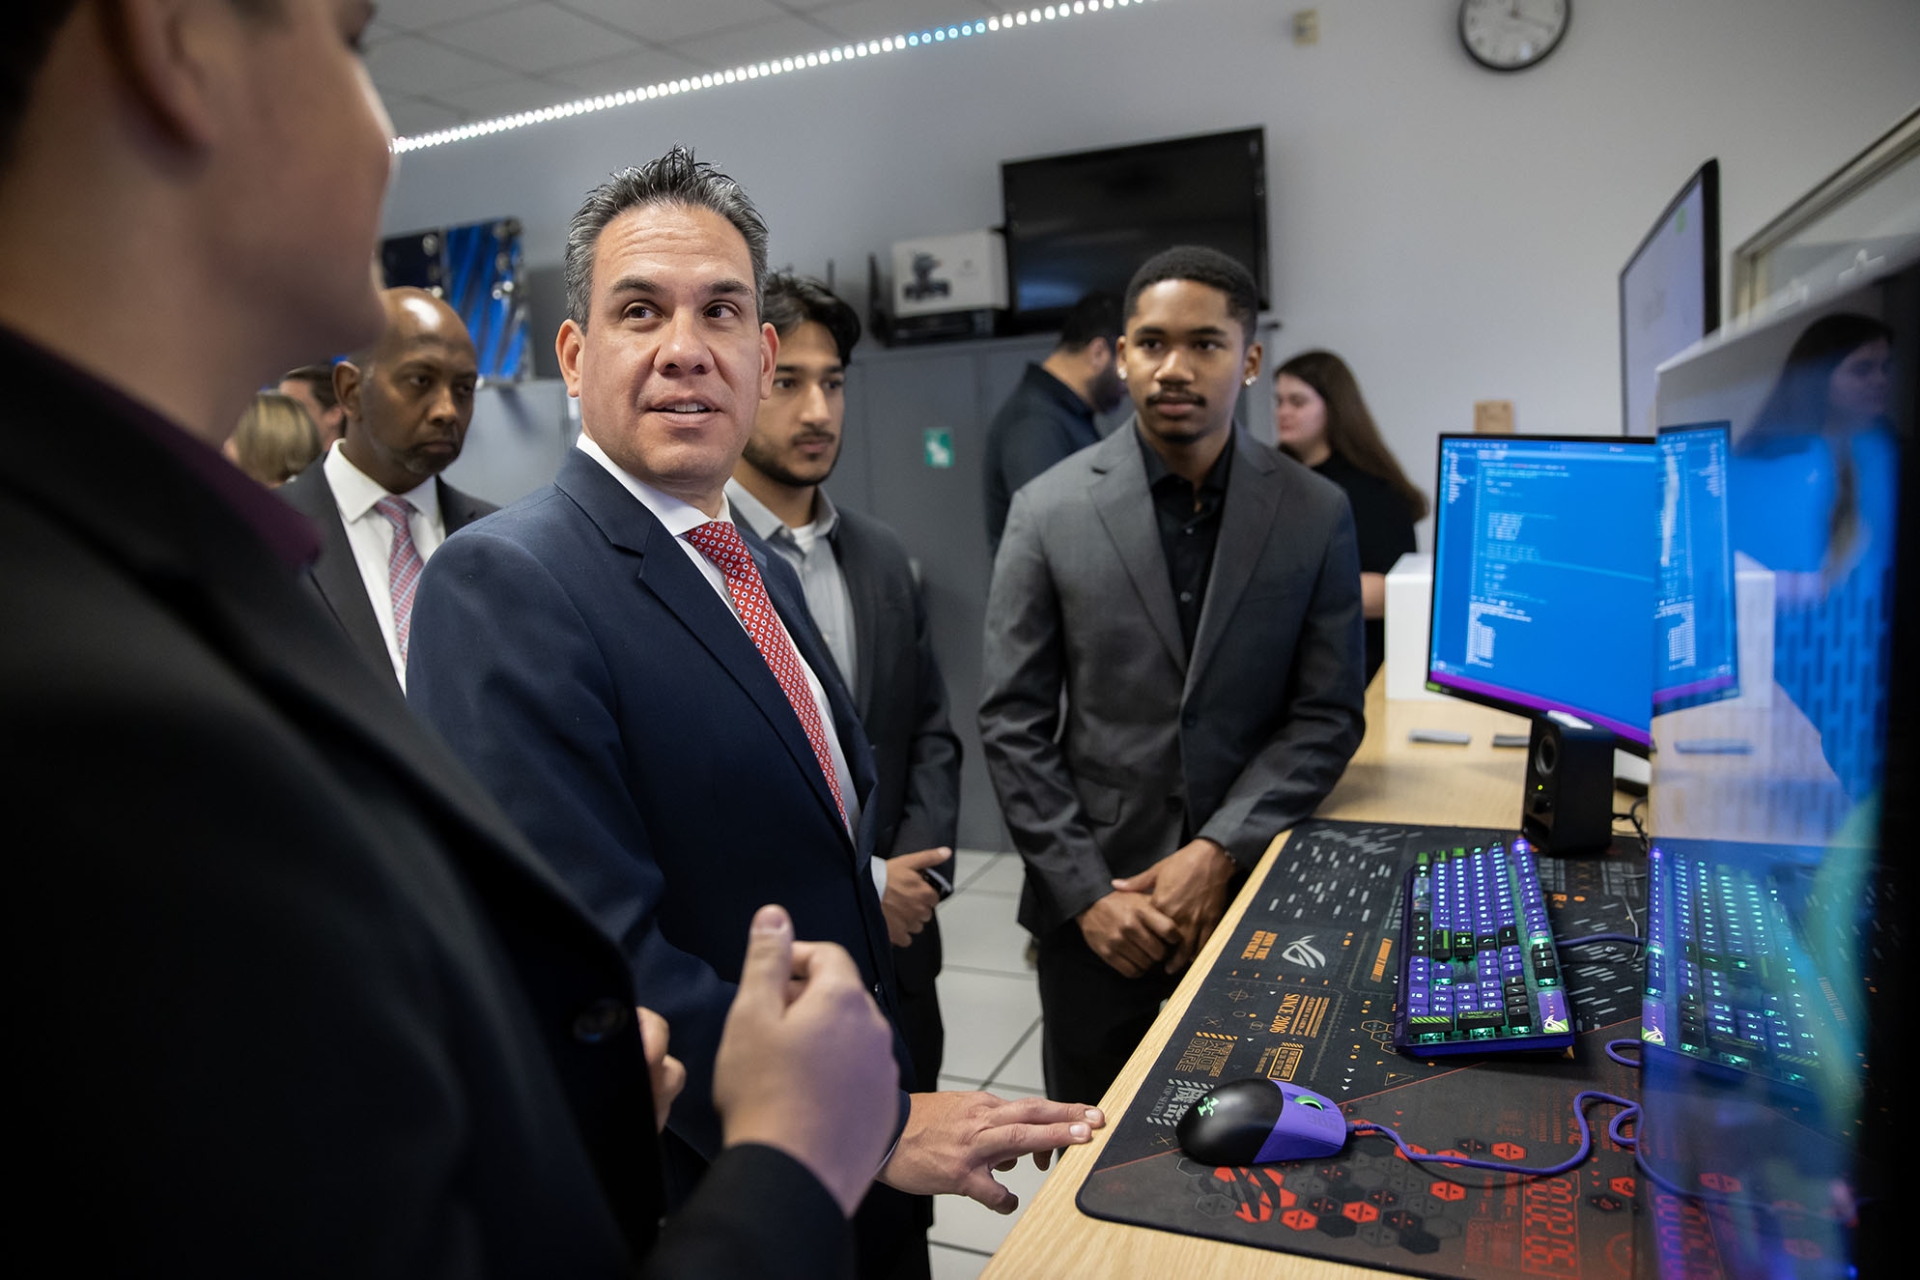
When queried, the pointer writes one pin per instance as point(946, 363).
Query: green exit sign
point(938, 445)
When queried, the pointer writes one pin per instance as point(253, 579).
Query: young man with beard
point(1195, 596)
point(861, 592)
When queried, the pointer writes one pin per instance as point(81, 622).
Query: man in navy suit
point(638, 683)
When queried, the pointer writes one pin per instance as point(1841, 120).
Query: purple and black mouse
point(1257, 1121)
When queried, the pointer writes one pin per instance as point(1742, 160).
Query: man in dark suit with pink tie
point(637, 681)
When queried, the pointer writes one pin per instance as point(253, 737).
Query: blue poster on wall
point(477, 268)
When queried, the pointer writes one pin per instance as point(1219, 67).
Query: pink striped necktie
point(720, 542)
point(403, 566)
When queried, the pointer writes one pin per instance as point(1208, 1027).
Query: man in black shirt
point(1050, 415)
point(1196, 598)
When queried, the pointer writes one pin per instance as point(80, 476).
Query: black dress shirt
point(1384, 528)
point(1189, 528)
point(1042, 422)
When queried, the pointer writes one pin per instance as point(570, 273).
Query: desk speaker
point(1568, 805)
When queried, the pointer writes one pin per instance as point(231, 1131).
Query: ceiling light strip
point(758, 70)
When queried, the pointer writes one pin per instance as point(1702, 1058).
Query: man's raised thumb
point(769, 962)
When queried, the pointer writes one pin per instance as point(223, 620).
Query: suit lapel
point(336, 575)
point(1125, 505)
point(1253, 498)
point(666, 572)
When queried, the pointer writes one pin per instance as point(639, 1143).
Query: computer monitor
point(1669, 293)
point(1696, 656)
point(1543, 578)
point(1811, 822)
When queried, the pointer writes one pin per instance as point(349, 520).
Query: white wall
point(1454, 233)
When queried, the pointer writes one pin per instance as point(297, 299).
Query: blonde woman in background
point(275, 441)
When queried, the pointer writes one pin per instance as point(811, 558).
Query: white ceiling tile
point(540, 38)
point(779, 37)
point(414, 15)
point(629, 71)
point(671, 21)
point(412, 116)
point(409, 66)
point(507, 97)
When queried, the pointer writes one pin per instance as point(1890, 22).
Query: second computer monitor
point(1695, 643)
point(1543, 586)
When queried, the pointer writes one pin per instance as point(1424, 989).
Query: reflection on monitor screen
point(1695, 657)
point(1543, 580)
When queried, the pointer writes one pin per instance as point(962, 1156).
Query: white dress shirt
point(682, 517)
point(371, 536)
point(809, 550)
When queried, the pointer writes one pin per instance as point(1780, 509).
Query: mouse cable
point(1629, 1113)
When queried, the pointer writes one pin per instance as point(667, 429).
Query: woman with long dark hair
point(1322, 420)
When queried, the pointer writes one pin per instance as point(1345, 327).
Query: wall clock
point(1512, 35)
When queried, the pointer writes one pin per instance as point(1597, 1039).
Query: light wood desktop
point(1389, 780)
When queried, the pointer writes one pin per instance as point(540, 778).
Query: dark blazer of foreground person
point(287, 992)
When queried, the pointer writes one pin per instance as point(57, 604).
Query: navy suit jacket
point(608, 698)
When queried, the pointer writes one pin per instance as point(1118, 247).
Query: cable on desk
point(1626, 938)
point(1581, 1101)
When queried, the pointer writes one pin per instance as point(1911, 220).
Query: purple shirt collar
point(290, 536)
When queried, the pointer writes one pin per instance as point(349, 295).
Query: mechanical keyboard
point(1723, 985)
point(1478, 969)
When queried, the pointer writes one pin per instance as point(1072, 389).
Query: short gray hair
point(675, 178)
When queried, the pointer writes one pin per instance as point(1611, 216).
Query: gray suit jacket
point(1236, 744)
point(335, 576)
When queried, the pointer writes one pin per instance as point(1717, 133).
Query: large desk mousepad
point(1304, 992)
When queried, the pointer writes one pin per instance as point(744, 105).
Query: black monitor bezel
point(1629, 745)
point(1042, 319)
point(1707, 177)
point(1725, 428)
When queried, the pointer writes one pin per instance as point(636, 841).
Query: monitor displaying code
point(1543, 577)
point(1695, 649)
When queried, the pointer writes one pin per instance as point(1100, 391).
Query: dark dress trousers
point(336, 574)
point(288, 994)
point(1155, 746)
point(609, 699)
point(902, 701)
point(1043, 422)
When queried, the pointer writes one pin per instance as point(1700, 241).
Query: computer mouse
point(1258, 1120)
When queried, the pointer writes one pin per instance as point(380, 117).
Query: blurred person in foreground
point(288, 992)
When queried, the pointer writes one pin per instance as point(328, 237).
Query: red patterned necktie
point(720, 542)
point(403, 567)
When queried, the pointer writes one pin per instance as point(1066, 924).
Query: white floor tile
point(955, 1264)
point(971, 1225)
point(1006, 874)
point(986, 1014)
point(1024, 1071)
point(978, 931)
point(960, 1084)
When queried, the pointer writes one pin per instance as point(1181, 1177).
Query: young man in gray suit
point(1196, 597)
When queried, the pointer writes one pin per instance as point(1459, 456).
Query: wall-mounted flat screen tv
point(1081, 222)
